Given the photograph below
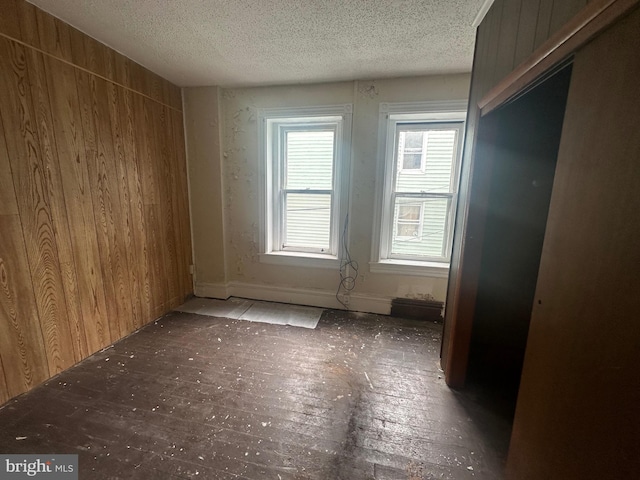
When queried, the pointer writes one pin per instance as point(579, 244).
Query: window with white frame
point(305, 157)
point(420, 148)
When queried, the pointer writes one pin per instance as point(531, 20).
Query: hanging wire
point(347, 264)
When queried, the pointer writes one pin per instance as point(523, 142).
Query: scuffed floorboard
point(191, 396)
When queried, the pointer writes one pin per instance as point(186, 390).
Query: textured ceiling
point(265, 42)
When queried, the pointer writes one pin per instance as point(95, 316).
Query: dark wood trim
point(589, 22)
point(466, 286)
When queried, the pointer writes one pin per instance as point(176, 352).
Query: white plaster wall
point(226, 176)
point(202, 132)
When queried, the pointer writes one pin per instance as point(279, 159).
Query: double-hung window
point(420, 147)
point(305, 158)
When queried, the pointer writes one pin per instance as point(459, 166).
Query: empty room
point(318, 239)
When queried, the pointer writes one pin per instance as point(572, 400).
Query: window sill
point(408, 267)
point(299, 259)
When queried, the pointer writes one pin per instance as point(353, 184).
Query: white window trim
point(267, 116)
point(453, 110)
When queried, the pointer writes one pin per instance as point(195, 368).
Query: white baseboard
point(212, 290)
point(296, 296)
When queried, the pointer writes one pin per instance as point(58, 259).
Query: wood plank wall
point(94, 218)
point(509, 33)
point(578, 414)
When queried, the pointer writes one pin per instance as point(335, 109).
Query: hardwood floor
point(189, 396)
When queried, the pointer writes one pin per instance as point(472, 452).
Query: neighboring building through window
point(420, 151)
point(305, 157)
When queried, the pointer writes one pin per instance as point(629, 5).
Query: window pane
point(441, 147)
point(413, 139)
point(411, 161)
point(307, 220)
point(409, 212)
point(309, 159)
point(424, 236)
point(408, 229)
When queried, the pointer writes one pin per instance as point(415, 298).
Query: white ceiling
point(264, 42)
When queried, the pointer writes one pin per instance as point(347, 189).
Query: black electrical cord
point(347, 281)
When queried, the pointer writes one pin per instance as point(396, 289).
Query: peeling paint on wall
point(240, 179)
point(368, 89)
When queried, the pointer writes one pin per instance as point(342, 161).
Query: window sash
point(393, 163)
point(280, 240)
point(286, 245)
point(446, 232)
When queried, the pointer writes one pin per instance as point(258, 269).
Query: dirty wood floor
point(189, 396)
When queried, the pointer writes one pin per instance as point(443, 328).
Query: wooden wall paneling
point(138, 78)
point(543, 25)
point(154, 83)
point(8, 201)
point(177, 196)
point(577, 414)
point(53, 187)
point(34, 205)
point(172, 242)
point(144, 160)
point(155, 264)
point(166, 93)
point(72, 156)
point(96, 230)
point(97, 186)
point(563, 11)
point(138, 253)
point(55, 36)
point(122, 69)
point(148, 156)
point(20, 332)
point(96, 54)
point(107, 193)
point(22, 346)
point(4, 389)
point(145, 148)
point(78, 53)
point(91, 54)
point(490, 60)
point(110, 64)
point(584, 26)
point(9, 20)
point(162, 256)
point(181, 193)
point(526, 34)
point(509, 24)
point(123, 154)
point(28, 24)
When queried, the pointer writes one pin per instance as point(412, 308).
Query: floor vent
point(417, 309)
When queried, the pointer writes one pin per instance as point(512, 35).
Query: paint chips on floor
point(255, 311)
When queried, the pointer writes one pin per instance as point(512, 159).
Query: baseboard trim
point(212, 290)
point(297, 296)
